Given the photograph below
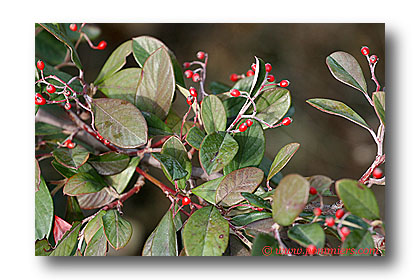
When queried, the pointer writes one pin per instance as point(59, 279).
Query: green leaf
point(216, 151)
point(213, 114)
point(207, 191)
point(162, 241)
point(308, 234)
point(71, 158)
point(171, 166)
point(195, 137)
point(156, 125)
point(44, 211)
point(357, 198)
point(358, 243)
point(120, 181)
point(244, 84)
point(109, 163)
point(256, 201)
point(83, 183)
point(118, 231)
point(96, 200)
point(282, 158)
point(337, 108)
point(61, 36)
point(321, 184)
point(290, 198)
point(68, 243)
point(93, 226)
point(206, 233)
point(65, 171)
point(379, 104)
point(265, 166)
point(122, 85)
point(73, 211)
point(157, 84)
point(120, 122)
point(264, 245)
point(37, 175)
point(98, 245)
point(259, 76)
point(251, 148)
point(174, 148)
point(42, 248)
point(174, 122)
point(247, 218)
point(241, 180)
point(115, 62)
point(272, 105)
point(345, 68)
point(46, 129)
point(218, 87)
point(49, 49)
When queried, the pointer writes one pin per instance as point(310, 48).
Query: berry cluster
point(194, 75)
point(365, 51)
point(244, 126)
point(102, 44)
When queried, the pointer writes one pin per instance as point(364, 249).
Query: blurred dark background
point(330, 145)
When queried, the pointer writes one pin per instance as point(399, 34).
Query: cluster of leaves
point(235, 214)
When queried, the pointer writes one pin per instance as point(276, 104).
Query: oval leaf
point(71, 158)
point(122, 85)
point(213, 114)
point(308, 234)
point(83, 183)
point(290, 198)
point(256, 201)
point(44, 211)
point(109, 163)
point(95, 200)
point(171, 166)
point(120, 122)
point(93, 226)
point(241, 180)
point(345, 68)
point(118, 231)
point(247, 218)
point(321, 184)
point(379, 104)
point(206, 233)
point(265, 245)
point(98, 245)
point(195, 137)
point(207, 191)
point(216, 151)
point(272, 105)
point(357, 198)
point(358, 243)
point(337, 108)
point(282, 158)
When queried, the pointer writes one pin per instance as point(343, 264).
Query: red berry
point(313, 191)
point(345, 231)
point(339, 214)
point(250, 73)
point(106, 142)
point(234, 77)
point(249, 123)
point(102, 45)
point(188, 74)
point(67, 106)
point(196, 77)
point(186, 201)
point(317, 211)
point(373, 58)
point(200, 55)
point(311, 249)
point(365, 50)
point(270, 78)
point(235, 93)
point(254, 67)
point(190, 100)
point(186, 64)
point(40, 65)
point(286, 121)
point(71, 145)
point(284, 83)
point(268, 67)
point(329, 221)
point(50, 88)
point(243, 127)
point(193, 91)
point(377, 173)
point(260, 209)
point(73, 27)
point(39, 100)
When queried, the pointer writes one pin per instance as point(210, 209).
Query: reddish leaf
point(60, 228)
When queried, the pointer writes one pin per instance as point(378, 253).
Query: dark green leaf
point(83, 183)
point(68, 243)
point(73, 211)
point(256, 201)
point(98, 245)
point(156, 125)
point(264, 245)
point(44, 211)
point(290, 198)
point(216, 151)
point(195, 137)
point(71, 158)
point(207, 191)
point(49, 49)
point(259, 76)
point(247, 218)
point(65, 171)
point(282, 158)
point(308, 234)
point(337, 108)
point(118, 231)
point(265, 166)
point(241, 180)
point(120, 122)
point(358, 243)
point(213, 114)
point(379, 104)
point(42, 248)
point(120, 181)
point(244, 84)
point(321, 184)
point(357, 198)
point(172, 167)
point(46, 129)
point(109, 163)
point(122, 85)
point(345, 68)
point(206, 233)
point(218, 87)
point(272, 105)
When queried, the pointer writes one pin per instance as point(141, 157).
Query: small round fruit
point(51, 88)
point(40, 65)
point(196, 77)
point(284, 83)
point(254, 67)
point(270, 78)
point(186, 201)
point(260, 209)
point(188, 74)
point(311, 249)
point(317, 212)
point(339, 214)
point(200, 55)
point(190, 100)
point(186, 64)
point(286, 121)
point(106, 142)
point(329, 221)
point(268, 67)
point(193, 92)
point(365, 50)
point(313, 191)
point(39, 100)
point(373, 58)
point(243, 127)
point(249, 123)
point(234, 77)
point(67, 106)
point(71, 145)
point(73, 27)
point(235, 93)
point(377, 173)
point(345, 231)
point(250, 73)
point(102, 45)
